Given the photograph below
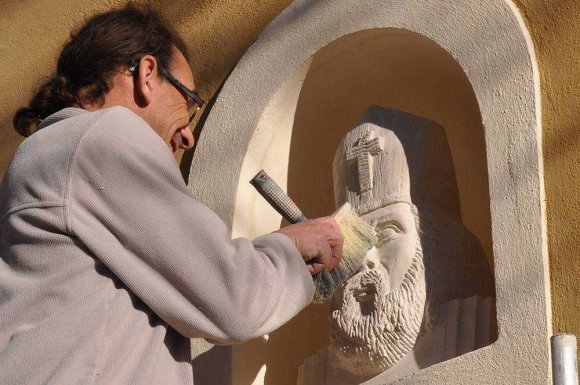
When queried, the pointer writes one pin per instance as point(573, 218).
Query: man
point(109, 264)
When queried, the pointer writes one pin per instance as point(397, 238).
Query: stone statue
point(426, 287)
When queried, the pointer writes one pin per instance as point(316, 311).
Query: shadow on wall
point(213, 367)
point(392, 68)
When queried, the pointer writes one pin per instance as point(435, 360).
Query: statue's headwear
point(392, 156)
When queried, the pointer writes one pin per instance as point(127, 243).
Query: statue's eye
point(388, 231)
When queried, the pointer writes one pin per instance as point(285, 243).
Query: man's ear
point(147, 80)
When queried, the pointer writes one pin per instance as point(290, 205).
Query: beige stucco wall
point(555, 27)
point(219, 31)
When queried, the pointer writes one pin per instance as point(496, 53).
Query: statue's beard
point(370, 335)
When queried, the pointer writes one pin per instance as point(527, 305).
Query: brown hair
point(105, 44)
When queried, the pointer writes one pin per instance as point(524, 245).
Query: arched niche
point(465, 65)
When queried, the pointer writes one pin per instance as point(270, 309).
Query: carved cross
point(362, 152)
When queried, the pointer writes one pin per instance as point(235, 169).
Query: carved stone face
point(397, 235)
point(376, 316)
point(387, 166)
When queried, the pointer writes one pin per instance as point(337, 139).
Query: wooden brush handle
point(277, 197)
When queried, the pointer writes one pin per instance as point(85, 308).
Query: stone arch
point(251, 126)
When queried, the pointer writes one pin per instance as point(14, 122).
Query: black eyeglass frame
point(179, 85)
point(190, 93)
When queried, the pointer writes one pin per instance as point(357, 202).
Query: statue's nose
point(372, 259)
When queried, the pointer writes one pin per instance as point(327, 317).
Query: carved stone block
point(396, 170)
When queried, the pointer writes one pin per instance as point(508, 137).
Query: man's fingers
point(319, 241)
point(335, 240)
point(315, 268)
point(336, 254)
point(323, 261)
point(325, 256)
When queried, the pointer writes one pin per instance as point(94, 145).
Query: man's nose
point(185, 138)
point(372, 259)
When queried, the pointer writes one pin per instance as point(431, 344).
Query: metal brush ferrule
point(277, 197)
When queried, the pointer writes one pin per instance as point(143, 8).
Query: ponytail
point(52, 96)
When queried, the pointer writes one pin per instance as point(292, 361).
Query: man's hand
point(319, 241)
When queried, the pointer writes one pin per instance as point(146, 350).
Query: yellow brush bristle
point(359, 237)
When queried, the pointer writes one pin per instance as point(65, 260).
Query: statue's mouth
point(365, 293)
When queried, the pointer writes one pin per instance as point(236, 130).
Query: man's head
point(159, 102)
point(121, 58)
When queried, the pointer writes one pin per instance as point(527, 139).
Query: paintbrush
point(359, 236)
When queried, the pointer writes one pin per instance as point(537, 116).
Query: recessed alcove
point(298, 135)
point(313, 72)
point(396, 69)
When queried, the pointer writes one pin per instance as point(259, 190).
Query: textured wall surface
point(219, 31)
point(490, 43)
point(555, 29)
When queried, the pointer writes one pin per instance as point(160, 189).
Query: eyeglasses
point(192, 108)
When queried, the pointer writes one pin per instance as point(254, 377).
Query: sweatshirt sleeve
point(128, 204)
